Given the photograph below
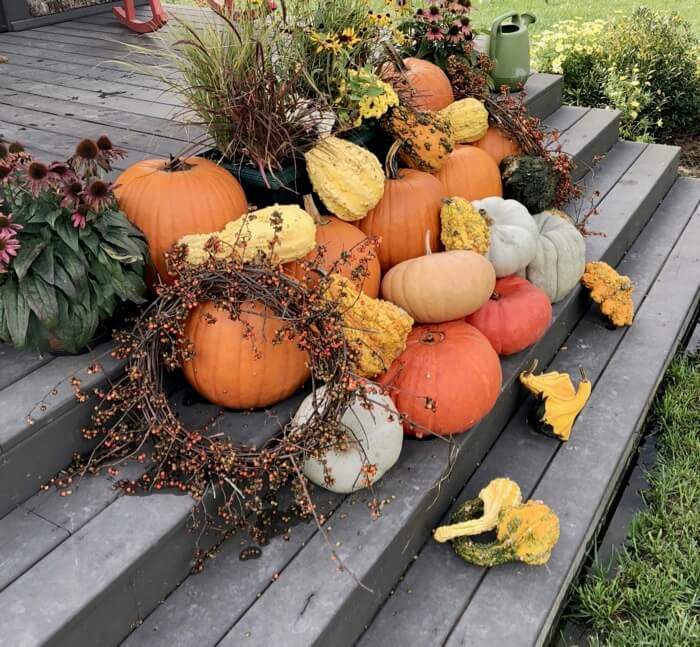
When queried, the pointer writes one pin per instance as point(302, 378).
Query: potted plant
point(266, 80)
point(68, 256)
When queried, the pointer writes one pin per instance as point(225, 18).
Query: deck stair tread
point(88, 515)
point(445, 586)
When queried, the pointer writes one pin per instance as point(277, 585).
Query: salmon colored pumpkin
point(516, 316)
point(167, 200)
point(237, 372)
point(471, 174)
point(431, 89)
point(497, 145)
point(442, 286)
point(409, 210)
point(448, 378)
point(338, 236)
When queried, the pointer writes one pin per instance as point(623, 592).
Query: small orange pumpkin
point(234, 371)
point(516, 316)
point(497, 144)
point(337, 237)
point(167, 200)
point(429, 86)
point(409, 209)
point(447, 379)
point(470, 173)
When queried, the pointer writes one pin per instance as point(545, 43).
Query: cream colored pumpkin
point(513, 232)
point(560, 259)
point(375, 438)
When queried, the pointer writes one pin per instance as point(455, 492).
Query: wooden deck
point(117, 568)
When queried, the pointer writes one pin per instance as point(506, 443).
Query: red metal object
point(127, 16)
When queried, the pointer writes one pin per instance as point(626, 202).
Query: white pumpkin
point(561, 256)
point(514, 234)
point(375, 437)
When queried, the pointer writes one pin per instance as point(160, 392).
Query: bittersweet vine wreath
point(134, 418)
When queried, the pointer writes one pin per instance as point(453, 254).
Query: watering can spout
point(509, 49)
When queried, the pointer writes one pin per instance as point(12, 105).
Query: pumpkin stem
point(584, 377)
point(311, 208)
point(391, 165)
point(533, 366)
point(176, 164)
point(496, 295)
point(487, 219)
point(432, 337)
point(428, 250)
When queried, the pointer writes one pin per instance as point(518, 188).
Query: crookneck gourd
point(557, 402)
point(612, 291)
point(530, 180)
point(526, 532)
point(468, 118)
point(426, 137)
point(348, 178)
point(497, 495)
point(283, 232)
point(376, 330)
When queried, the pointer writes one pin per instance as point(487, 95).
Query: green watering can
point(509, 49)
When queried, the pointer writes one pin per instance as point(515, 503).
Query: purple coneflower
point(455, 34)
point(5, 173)
point(107, 151)
point(78, 220)
point(62, 171)
point(15, 148)
point(38, 178)
point(459, 6)
point(9, 246)
point(4, 151)
point(7, 226)
point(85, 158)
point(98, 195)
point(72, 194)
point(432, 13)
point(435, 33)
point(464, 24)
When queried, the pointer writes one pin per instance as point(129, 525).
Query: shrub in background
point(645, 65)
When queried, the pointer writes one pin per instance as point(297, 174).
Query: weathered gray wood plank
point(438, 578)
point(564, 118)
point(583, 475)
point(15, 364)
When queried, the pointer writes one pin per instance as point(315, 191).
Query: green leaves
point(41, 298)
point(27, 254)
point(16, 312)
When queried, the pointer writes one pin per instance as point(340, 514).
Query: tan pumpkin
point(234, 371)
point(410, 208)
point(426, 137)
point(167, 200)
point(471, 174)
point(440, 287)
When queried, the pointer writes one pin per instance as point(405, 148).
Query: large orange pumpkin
point(497, 145)
point(169, 200)
point(431, 89)
point(448, 378)
point(409, 209)
point(515, 317)
point(471, 174)
point(233, 371)
point(338, 237)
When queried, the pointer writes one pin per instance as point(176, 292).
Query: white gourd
point(375, 437)
point(560, 259)
point(514, 235)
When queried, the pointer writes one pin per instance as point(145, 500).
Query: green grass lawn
point(655, 597)
point(549, 12)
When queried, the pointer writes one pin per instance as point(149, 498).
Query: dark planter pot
point(288, 186)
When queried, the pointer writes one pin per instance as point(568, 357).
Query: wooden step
point(236, 597)
point(516, 605)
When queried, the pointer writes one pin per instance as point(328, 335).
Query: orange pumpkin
point(497, 145)
point(233, 371)
point(448, 378)
point(471, 174)
point(408, 210)
point(167, 200)
point(431, 89)
point(516, 316)
point(337, 237)
point(440, 287)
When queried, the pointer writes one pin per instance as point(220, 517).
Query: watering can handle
point(526, 18)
